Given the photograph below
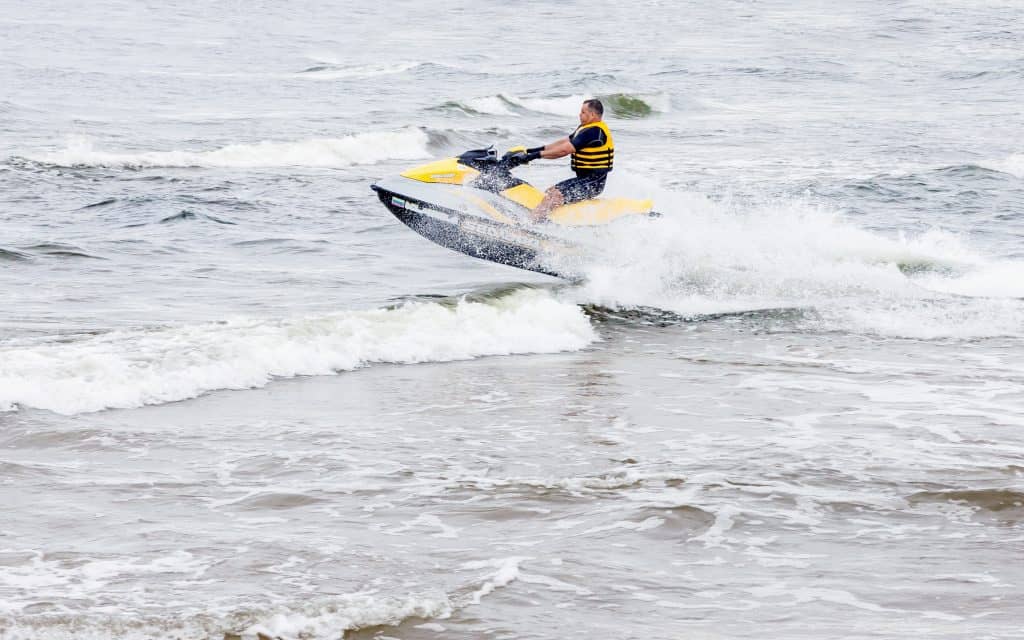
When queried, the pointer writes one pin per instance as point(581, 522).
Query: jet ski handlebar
point(487, 159)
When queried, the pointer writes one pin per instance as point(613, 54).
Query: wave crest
point(334, 71)
point(621, 105)
point(133, 368)
point(362, 148)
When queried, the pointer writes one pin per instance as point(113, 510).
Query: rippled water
point(238, 398)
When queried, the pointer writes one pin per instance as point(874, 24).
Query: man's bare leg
point(552, 200)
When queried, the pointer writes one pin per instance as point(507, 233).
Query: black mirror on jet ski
point(479, 158)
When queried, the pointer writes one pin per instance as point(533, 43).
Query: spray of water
point(712, 256)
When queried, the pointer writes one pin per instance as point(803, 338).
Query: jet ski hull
point(476, 236)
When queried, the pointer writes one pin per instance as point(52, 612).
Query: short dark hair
point(595, 105)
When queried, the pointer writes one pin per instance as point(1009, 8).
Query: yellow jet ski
point(473, 204)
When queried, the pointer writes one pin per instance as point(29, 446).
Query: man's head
point(591, 111)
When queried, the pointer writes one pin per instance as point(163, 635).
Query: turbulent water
point(239, 399)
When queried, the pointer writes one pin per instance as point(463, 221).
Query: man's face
point(586, 115)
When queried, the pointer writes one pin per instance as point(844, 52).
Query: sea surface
point(239, 400)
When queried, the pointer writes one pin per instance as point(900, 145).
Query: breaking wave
point(329, 616)
point(336, 71)
point(362, 148)
point(621, 105)
point(133, 368)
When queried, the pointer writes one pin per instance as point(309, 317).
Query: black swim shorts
point(582, 187)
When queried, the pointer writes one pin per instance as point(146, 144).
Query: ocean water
point(239, 400)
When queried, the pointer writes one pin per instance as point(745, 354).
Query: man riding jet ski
point(473, 204)
point(593, 152)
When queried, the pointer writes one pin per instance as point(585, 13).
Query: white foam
point(362, 148)
point(1001, 279)
point(574, 484)
point(494, 105)
point(322, 619)
point(646, 525)
point(708, 257)
point(803, 595)
point(344, 613)
point(334, 71)
point(428, 521)
point(703, 257)
point(562, 106)
point(506, 105)
point(1014, 165)
point(715, 536)
point(554, 584)
point(140, 367)
point(507, 571)
point(569, 106)
point(41, 579)
point(929, 319)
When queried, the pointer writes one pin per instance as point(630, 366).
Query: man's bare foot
point(552, 200)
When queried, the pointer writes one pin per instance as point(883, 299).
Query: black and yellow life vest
point(595, 157)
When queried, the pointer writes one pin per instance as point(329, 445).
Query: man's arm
point(558, 149)
point(551, 151)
